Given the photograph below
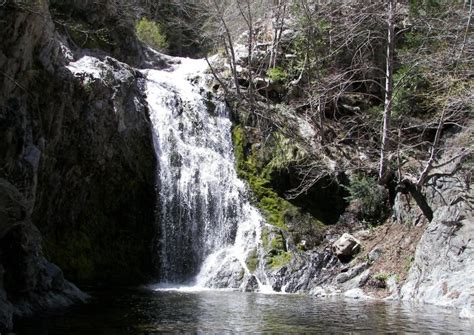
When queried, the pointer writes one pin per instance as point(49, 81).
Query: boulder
point(346, 246)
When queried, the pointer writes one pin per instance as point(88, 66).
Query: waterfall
point(208, 230)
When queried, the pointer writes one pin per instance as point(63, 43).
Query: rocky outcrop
point(305, 272)
point(443, 267)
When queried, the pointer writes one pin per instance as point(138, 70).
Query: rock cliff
point(77, 162)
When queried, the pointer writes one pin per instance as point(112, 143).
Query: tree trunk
point(228, 36)
point(250, 58)
point(408, 187)
point(388, 92)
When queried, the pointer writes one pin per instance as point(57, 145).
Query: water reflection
point(149, 312)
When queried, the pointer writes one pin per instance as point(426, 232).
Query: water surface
point(144, 311)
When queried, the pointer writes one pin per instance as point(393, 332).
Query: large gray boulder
point(346, 246)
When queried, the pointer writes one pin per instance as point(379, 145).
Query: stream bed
point(146, 311)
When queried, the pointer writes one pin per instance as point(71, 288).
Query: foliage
point(276, 74)
point(409, 98)
point(417, 7)
point(150, 32)
point(381, 276)
point(370, 197)
point(183, 21)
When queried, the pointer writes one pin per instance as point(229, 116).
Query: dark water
point(148, 312)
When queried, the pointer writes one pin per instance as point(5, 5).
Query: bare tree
point(388, 91)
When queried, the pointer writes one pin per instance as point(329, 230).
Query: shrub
point(370, 197)
point(150, 33)
point(276, 74)
point(381, 277)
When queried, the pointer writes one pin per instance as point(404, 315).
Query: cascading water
point(208, 230)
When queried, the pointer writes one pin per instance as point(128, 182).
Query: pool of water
point(144, 311)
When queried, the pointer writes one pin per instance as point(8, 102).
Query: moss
point(252, 260)
point(275, 247)
point(277, 74)
point(273, 206)
point(408, 262)
point(280, 260)
point(278, 242)
point(284, 154)
point(265, 237)
point(277, 211)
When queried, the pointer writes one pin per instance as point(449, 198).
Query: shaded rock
point(13, 208)
point(28, 282)
point(76, 141)
point(6, 315)
point(76, 164)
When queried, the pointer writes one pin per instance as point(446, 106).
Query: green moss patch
point(279, 260)
point(252, 261)
point(277, 210)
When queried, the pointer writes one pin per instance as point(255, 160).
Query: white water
point(207, 227)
